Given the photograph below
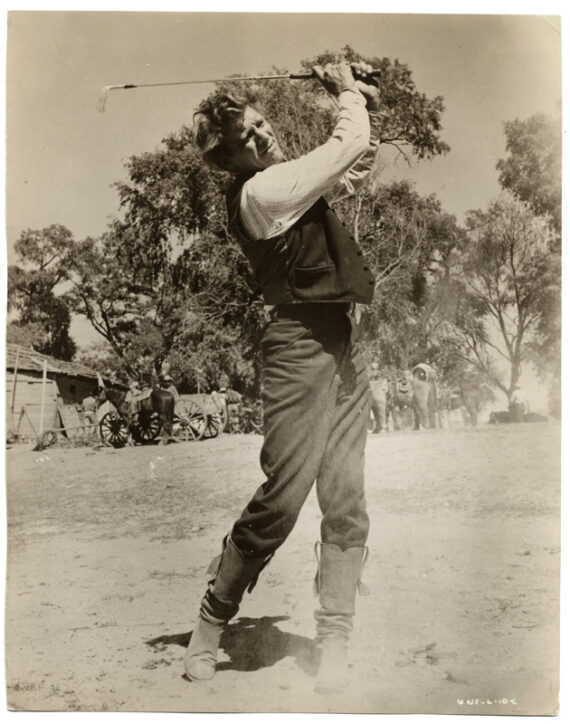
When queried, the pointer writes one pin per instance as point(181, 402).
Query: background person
point(89, 413)
point(167, 383)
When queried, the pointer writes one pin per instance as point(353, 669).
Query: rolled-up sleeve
point(354, 178)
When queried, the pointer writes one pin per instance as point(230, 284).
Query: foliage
point(27, 335)
point(407, 240)
point(411, 122)
point(533, 170)
point(114, 294)
point(43, 316)
point(99, 356)
point(506, 263)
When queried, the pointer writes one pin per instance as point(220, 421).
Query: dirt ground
point(107, 557)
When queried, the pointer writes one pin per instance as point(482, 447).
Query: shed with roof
point(35, 381)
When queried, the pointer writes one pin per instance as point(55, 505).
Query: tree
point(406, 239)
point(506, 263)
point(43, 315)
point(532, 172)
point(112, 293)
point(27, 335)
point(99, 356)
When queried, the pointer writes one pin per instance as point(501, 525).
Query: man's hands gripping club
point(337, 77)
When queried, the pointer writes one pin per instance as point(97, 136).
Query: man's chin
point(276, 156)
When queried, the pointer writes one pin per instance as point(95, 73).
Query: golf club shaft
point(128, 86)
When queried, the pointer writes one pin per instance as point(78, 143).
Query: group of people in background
point(146, 377)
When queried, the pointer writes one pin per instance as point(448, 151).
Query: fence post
point(14, 382)
point(43, 404)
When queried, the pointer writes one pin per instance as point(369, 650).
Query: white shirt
point(274, 199)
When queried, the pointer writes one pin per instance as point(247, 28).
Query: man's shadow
point(254, 643)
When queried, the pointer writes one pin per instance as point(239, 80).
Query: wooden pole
point(14, 382)
point(22, 413)
point(13, 396)
point(42, 407)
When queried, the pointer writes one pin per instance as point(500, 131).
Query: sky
point(63, 156)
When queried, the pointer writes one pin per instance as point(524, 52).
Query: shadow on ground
point(254, 643)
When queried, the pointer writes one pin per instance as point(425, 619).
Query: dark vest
point(316, 260)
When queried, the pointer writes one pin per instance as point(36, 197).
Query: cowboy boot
point(233, 575)
point(337, 580)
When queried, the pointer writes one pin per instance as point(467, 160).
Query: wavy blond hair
point(211, 120)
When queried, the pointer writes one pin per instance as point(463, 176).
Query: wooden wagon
point(198, 416)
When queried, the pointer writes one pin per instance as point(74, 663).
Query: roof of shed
point(30, 360)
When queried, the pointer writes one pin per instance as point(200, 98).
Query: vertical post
point(14, 381)
point(11, 431)
point(22, 413)
point(43, 404)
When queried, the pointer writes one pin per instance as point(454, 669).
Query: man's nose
point(261, 136)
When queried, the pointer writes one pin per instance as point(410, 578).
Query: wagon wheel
point(183, 430)
point(214, 424)
point(197, 419)
point(189, 421)
point(114, 429)
point(146, 427)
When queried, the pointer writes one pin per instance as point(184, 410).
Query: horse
point(400, 401)
point(408, 396)
point(392, 396)
point(160, 401)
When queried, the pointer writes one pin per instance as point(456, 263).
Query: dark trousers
point(316, 399)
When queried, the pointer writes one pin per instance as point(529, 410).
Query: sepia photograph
point(283, 337)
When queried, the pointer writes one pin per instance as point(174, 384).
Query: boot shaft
point(336, 583)
point(233, 574)
point(337, 580)
point(338, 577)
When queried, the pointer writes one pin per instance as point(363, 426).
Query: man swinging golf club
point(316, 392)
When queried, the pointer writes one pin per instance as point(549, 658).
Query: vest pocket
point(307, 276)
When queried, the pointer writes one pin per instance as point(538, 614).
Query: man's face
point(251, 144)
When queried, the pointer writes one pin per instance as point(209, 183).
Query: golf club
point(101, 103)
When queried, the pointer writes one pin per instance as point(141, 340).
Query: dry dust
point(107, 564)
